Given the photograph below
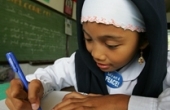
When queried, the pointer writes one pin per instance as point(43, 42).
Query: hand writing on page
point(19, 99)
point(77, 101)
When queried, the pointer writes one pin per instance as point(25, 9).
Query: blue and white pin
point(113, 79)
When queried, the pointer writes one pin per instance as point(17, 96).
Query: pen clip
point(11, 61)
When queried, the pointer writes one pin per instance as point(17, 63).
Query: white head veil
point(120, 13)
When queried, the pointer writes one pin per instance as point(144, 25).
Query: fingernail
point(34, 106)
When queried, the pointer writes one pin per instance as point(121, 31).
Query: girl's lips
point(102, 66)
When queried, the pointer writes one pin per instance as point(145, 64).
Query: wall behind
point(168, 17)
point(59, 6)
point(29, 69)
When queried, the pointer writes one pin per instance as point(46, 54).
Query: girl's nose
point(98, 54)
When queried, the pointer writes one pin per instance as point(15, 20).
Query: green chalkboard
point(33, 32)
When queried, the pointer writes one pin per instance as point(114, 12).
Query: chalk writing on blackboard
point(34, 40)
point(29, 6)
point(33, 32)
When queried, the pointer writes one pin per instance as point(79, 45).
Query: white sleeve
point(57, 76)
point(145, 103)
point(160, 103)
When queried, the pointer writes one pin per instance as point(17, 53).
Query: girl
point(121, 62)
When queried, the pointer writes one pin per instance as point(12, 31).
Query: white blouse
point(62, 74)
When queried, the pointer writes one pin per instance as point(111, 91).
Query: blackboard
point(33, 32)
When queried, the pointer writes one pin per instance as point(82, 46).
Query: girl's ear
point(143, 41)
point(144, 44)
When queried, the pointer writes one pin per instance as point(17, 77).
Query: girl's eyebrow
point(105, 37)
point(86, 33)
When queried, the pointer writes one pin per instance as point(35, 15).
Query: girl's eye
point(88, 40)
point(112, 46)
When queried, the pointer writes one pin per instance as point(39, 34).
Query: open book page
point(52, 99)
point(47, 102)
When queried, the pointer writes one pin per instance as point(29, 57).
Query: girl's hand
point(18, 99)
point(77, 101)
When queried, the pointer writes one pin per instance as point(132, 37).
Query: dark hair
point(142, 38)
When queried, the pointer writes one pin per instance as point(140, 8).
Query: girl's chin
point(107, 70)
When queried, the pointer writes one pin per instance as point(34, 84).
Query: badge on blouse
point(113, 79)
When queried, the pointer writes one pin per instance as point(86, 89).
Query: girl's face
point(110, 47)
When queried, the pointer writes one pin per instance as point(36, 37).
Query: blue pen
point(16, 68)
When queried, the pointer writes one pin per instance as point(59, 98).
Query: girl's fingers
point(19, 99)
point(18, 104)
point(22, 104)
point(74, 95)
point(9, 104)
point(16, 90)
point(15, 95)
point(85, 108)
point(94, 94)
point(35, 92)
point(75, 100)
point(69, 104)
